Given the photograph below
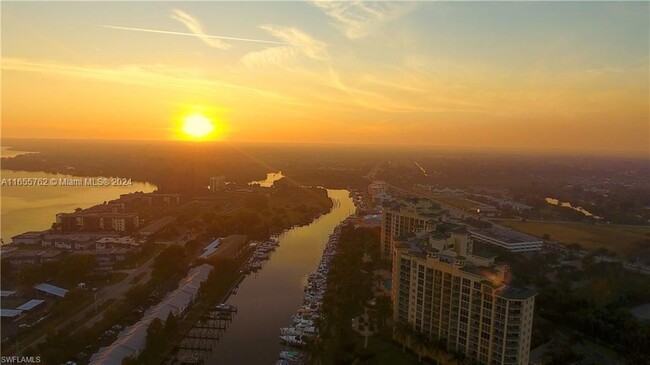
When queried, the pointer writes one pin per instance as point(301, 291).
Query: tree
point(171, 324)
point(137, 295)
point(402, 333)
point(420, 345)
point(6, 268)
point(170, 261)
point(155, 333)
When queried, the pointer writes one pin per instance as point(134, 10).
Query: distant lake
point(33, 208)
point(8, 152)
point(554, 201)
point(271, 178)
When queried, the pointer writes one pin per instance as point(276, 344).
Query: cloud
point(604, 70)
point(196, 28)
point(192, 34)
point(146, 75)
point(302, 44)
point(357, 19)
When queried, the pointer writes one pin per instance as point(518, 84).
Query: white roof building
point(133, 339)
point(9, 313)
point(51, 289)
point(30, 305)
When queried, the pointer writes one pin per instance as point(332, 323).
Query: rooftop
point(157, 224)
point(512, 292)
point(505, 235)
point(30, 305)
point(9, 313)
point(30, 234)
point(51, 289)
point(484, 254)
point(480, 270)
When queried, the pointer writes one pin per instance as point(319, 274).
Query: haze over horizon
point(523, 76)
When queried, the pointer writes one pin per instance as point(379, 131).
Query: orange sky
point(534, 75)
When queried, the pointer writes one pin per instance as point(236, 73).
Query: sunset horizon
point(325, 182)
point(497, 75)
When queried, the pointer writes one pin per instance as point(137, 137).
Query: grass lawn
point(619, 239)
point(388, 352)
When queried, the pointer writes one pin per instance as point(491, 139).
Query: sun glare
point(197, 126)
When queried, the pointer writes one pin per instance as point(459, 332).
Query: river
point(33, 208)
point(266, 301)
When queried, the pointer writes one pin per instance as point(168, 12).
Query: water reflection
point(554, 201)
point(266, 301)
point(7, 152)
point(271, 178)
point(33, 208)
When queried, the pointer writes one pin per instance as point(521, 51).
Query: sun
point(197, 126)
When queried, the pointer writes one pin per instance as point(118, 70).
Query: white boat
point(293, 340)
point(291, 355)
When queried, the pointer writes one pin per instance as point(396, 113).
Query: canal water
point(266, 301)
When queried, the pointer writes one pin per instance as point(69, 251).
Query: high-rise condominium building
point(405, 217)
point(445, 291)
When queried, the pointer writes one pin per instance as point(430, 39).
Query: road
point(371, 175)
point(115, 291)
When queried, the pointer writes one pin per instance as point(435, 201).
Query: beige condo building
point(445, 291)
point(405, 217)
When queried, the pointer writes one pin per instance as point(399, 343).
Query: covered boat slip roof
point(51, 289)
point(31, 304)
point(6, 293)
point(9, 313)
point(133, 339)
point(211, 248)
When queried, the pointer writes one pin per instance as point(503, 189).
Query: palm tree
point(315, 349)
point(420, 345)
point(459, 357)
point(402, 333)
point(434, 349)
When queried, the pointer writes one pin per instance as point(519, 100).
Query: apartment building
point(91, 221)
point(217, 183)
point(446, 291)
point(406, 216)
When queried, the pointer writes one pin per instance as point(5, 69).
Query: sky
point(521, 75)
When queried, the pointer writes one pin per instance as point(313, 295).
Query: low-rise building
point(116, 242)
point(156, 226)
point(18, 258)
point(507, 238)
point(28, 238)
point(91, 221)
point(133, 339)
point(107, 258)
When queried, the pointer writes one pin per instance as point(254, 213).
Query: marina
point(303, 323)
point(274, 291)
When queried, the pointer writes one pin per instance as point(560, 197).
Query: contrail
point(195, 35)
